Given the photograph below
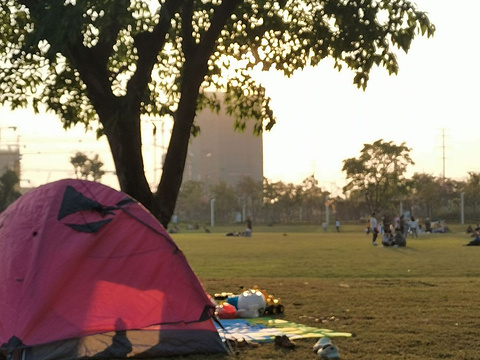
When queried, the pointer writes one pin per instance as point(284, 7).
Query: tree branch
point(188, 43)
point(108, 37)
point(220, 17)
point(148, 46)
point(28, 3)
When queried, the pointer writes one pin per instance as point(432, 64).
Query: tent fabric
point(133, 343)
point(78, 259)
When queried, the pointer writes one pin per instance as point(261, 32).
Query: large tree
point(425, 194)
point(378, 173)
point(108, 64)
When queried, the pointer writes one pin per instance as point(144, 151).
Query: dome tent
point(86, 271)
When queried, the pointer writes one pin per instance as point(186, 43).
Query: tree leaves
point(86, 168)
point(378, 173)
point(287, 36)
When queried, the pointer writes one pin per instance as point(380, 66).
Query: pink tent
point(87, 271)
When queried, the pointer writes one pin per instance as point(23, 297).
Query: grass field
point(418, 302)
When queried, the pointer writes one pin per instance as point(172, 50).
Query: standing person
point(248, 230)
point(413, 226)
point(428, 225)
point(403, 227)
point(396, 222)
point(386, 222)
point(324, 226)
point(337, 225)
point(374, 229)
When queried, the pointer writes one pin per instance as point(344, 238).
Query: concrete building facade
point(219, 153)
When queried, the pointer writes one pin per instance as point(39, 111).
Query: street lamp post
point(212, 212)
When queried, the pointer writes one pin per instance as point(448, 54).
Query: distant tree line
point(375, 182)
point(426, 196)
point(267, 201)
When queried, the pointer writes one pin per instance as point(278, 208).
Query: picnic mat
point(264, 329)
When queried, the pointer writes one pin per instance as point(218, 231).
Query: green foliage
point(275, 203)
point(192, 204)
point(43, 42)
point(250, 195)
point(438, 197)
point(314, 199)
point(226, 202)
point(286, 203)
point(472, 192)
point(194, 200)
point(86, 168)
point(378, 173)
point(425, 191)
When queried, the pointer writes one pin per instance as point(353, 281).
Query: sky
point(433, 105)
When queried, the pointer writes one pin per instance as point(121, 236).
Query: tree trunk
point(120, 118)
point(194, 69)
point(124, 138)
point(172, 175)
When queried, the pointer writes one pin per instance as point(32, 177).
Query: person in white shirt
point(413, 226)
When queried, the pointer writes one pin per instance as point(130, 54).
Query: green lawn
point(418, 302)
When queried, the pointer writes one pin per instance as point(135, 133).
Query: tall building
point(219, 153)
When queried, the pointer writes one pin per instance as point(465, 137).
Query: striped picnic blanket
point(264, 329)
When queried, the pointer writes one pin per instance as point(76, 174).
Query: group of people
point(393, 233)
point(247, 232)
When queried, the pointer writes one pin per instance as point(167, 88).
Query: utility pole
point(212, 212)
point(443, 153)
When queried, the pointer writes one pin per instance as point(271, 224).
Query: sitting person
point(393, 237)
point(399, 239)
point(476, 240)
point(387, 238)
point(428, 226)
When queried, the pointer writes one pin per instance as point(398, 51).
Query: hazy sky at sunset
point(433, 105)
